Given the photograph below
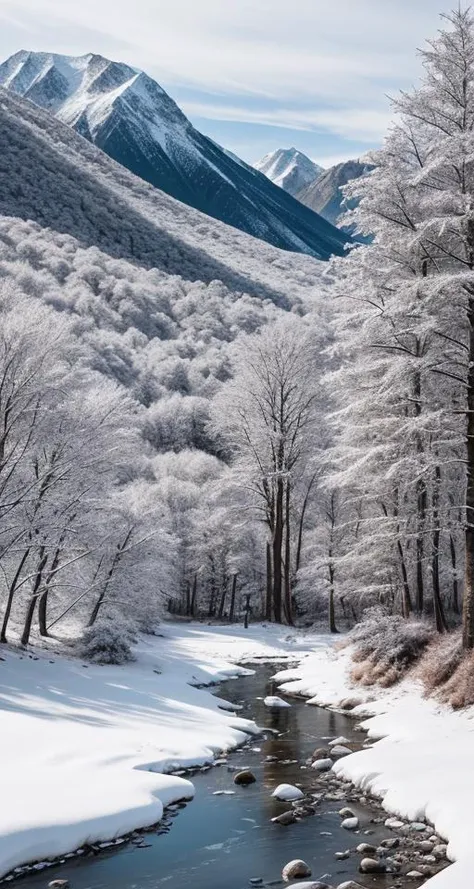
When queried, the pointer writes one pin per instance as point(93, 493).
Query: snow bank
point(420, 762)
point(84, 749)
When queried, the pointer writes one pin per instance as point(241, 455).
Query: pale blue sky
point(255, 75)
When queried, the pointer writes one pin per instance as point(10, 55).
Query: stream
point(223, 841)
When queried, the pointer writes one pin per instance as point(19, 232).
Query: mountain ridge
point(131, 118)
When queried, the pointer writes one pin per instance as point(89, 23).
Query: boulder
point(340, 750)
point(244, 778)
point(350, 823)
point(322, 765)
point(287, 793)
point(340, 740)
point(294, 869)
point(371, 866)
point(366, 849)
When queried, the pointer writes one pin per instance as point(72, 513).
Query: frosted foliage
point(106, 643)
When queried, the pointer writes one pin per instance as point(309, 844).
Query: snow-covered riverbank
point(81, 746)
point(421, 765)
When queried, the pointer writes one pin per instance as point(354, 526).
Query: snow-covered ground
point(420, 764)
point(81, 747)
point(84, 750)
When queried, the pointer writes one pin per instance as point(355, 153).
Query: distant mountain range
point(324, 194)
point(318, 189)
point(290, 169)
point(133, 120)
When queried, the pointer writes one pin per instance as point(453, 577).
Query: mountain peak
point(132, 119)
point(289, 168)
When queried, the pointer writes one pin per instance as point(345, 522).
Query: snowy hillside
point(290, 169)
point(127, 114)
point(324, 196)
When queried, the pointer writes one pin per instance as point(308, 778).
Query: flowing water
point(222, 841)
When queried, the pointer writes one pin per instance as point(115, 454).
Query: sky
point(255, 75)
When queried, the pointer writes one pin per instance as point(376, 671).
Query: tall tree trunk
point(220, 613)
point(407, 606)
point(232, 598)
point(440, 617)
point(301, 523)
point(455, 597)
point(43, 600)
point(277, 552)
point(43, 558)
point(332, 610)
point(421, 499)
point(269, 583)
point(288, 603)
point(188, 598)
point(193, 596)
point(468, 596)
point(11, 595)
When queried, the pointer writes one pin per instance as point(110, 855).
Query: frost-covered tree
point(268, 416)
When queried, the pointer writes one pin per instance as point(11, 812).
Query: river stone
point(310, 885)
point(320, 753)
point(285, 818)
point(340, 740)
point(418, 826)
point(294, 869)
point(58, 884)
point(391, 843)
point(371, 866)
point(346, 813)
point(287, 792)
point(394, 823)
point(440, 851)
point(426, 846)
point(414, 875)
point(425, 869)
point(340, 750)
point(350, 823)
point(350, 884)
point(322, 765)
point(341, 856)
point(366, 849)
point(244, 778)
point(256, 881)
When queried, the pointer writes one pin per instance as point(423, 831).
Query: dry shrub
point(387, 646)
point(440, 661)
point(459, 689)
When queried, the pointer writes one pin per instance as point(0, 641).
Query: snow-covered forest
point(176, 443)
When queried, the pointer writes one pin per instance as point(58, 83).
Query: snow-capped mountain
point(130, 117)
point(289, 168)
point(325, 197)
